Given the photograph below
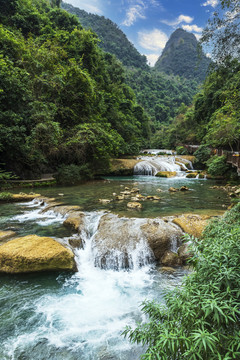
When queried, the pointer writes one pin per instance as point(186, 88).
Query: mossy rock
point(191, 175)
point(19, 197)
point(166, 174)
point(34, 253)
point(192, 224)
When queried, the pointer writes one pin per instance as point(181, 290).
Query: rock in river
point(34, 253)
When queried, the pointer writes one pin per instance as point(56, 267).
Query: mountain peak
point(183, 56)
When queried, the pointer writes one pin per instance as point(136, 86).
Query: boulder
point(192, 175)
point(118, 237)
point(75, 243)
point(170, 259)
point(172, 189)
point(184, 253)
point(192, 224)
point(75, 221)
point(134, 205)
point(58, 208)
point(160, 235)
point(6, 235)
point(34, 253)
point(184, 188)
point(166, 174)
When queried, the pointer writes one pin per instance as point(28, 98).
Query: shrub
point(200, 320)
point(5, 196)
point(181, 150)
point(217, 165)
point(202, 154)
point(73, 174)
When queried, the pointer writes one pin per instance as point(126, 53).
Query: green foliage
point(113, 40)
point(181, 150)
point(217, 166)
point(5, 196)
point(200, 320)
point(57, 87)
point(202, 154)
point(72, 174)
point(161, 95)
point(183, 56)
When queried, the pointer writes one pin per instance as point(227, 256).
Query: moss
point(166, 174)
point(33, 253)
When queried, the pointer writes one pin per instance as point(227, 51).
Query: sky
point(148, 24)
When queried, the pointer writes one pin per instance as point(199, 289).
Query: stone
point(184, 253)
point(104, 201)
point(160, 235)
point(75, 243)
point(167, 269)
point(237, 192)
point(170, 259)
point(159, 190)
point(156, 197)
point(135, 190)
point(150, 197)
point(192, 175)
point(172, 189)
point(6, 235)
point(134, 205)
point(192, 224)
point(120, 197)
point(184, 188)
point(34, 253)
point(117, 237)
point(75, 221)
point(166, 174)
point(21, 197)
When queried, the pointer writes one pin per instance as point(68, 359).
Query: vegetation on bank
point(63, 100)
point(200, 319)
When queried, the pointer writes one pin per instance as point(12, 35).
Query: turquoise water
point(81, 316)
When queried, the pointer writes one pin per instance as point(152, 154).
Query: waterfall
point(97, 251)
point(152, 165)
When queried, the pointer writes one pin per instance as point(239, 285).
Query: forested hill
point(113, 40)
point(183, 56)
point(63, 100)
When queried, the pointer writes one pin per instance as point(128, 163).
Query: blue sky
point(149, 23)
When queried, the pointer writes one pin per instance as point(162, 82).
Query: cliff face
point(183, 56)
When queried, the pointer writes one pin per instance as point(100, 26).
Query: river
point(81, 315)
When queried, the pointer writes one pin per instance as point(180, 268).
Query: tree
point(223, 31)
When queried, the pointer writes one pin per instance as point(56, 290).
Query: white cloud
point(137, 10)
point(192, 28)
point(154, 40)
point(198, 36)
point(181, 18)
point(92, 6)
point(212, 3)
point(133, 13)
point(152, 59)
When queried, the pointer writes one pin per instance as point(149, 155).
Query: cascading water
point(80, 316)
point(152, 165)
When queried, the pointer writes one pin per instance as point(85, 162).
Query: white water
point(152, 165)
point(84, 319)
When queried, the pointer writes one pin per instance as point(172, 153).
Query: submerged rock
point(184, 188)
point(6, 235)
point(34, 253)
point(192, 224)
point(20, 197)
point(172, 189)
